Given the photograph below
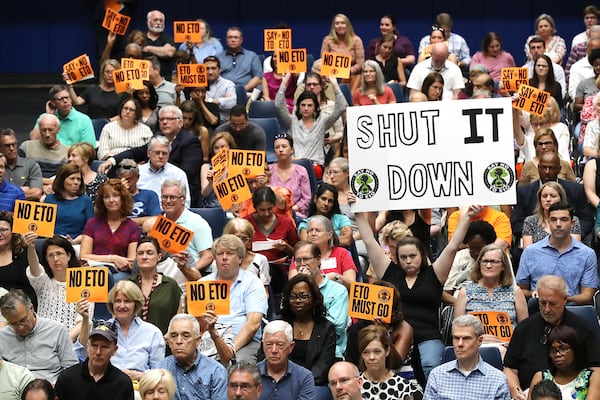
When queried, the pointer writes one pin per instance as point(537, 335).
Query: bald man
point(345, 381)
point(453, 79)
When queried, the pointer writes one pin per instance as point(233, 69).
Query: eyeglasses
point(300, 297)
point(342, 381)
point(171, 198)
point(244, 387)
point(233, 60)
point(7, 145)
point(544, 338)
point(310, 84)
point(562, 350)
point(160, 153)
point(167, 119)
point(64, 98)
point(23, 321)
point(437, 28)
point(302, 261)
point(542, 144)
point(495, 263)
point(4, 231)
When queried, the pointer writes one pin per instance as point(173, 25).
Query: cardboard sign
point(116, 22)
point(495, 323)
point(277, 39)
point(219, 165)
point(532, 100)
point(512, 78)
point(78, 69)
point(192, 75)
point(90, 282)
point(207, 295)
point(32, 216)
point(187, 31)
point(171, 236)
point(293, 60)
point(431, 154)
point(233, 189)
point(335, 64)
point(134, 63)
point(249, 163)
point(370, 301)
point(127, 78)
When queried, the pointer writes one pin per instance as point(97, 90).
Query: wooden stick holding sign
point(336, 64)
point(187, 31)
point(31, 216)
point(512, 78)
point(171, 236)
point(89, 282)
point(127, 78)
point(369, 301)
point(277, 39)
point(116, 22)
point(495, 323)
point(292, 60)
point(205, 296)
point(192, 75)
point(234, 189)
point(532, 100)
point(249, 163)
point(78, 69)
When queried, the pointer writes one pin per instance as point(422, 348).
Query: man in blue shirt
point(197, 376)
point(468, 376)
point(239, 65)
point(9, 194)
point(282, 378)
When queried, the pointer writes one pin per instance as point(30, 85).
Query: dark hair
point(190, 106)
point(149, 239)
point(371, 333)
point(17, 243)
point(58, 185)
point(39, 384)
point(567, 335)
point(263, 194)
point(537, 39)
point(325, 187)
point(212, 59)
point(591, 10)
point(322, 83)
point(119, 187)
point(545, 388)
point(413, 241)
point(480, 228)
point(593, 56)
point(551, 83)
point(153, 101)
point(55, 89)
point(438, 28)
point(487, 41)
point(63, 243)
point(429, 80)
point(314, 249)
point(284, 136)
point(319, 311)
point(138, 107)
point(392, 20)
point(561, 206)
point(238, 110)
point(311, 96)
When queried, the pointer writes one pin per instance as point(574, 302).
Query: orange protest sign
point(370, 301)
point(219, 165)
point(126, 78)
point(187, 31)
point(512, 78)
point(426, 52)
point(335, 64)
point(171, 236)
point(78, 69)
point(134, 63)
point(116, 22)
point(277, 39)
point(90, 282)
point(31, 216)
point(532, 100)
point(293, 60)
point(191, 75)
point(207, 295)
point(249, 163)
point(495, 323)
point(233, 189)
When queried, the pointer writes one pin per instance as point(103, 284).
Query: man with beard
point(158, 43)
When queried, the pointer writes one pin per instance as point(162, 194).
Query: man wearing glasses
point(22, 172)
point(41, 345)
point(9, 193)
point(345, 381)
point(96, 377)
point(526, 353)
point(221, 91)
point(244, 382)
point(75, 126)
point(247, 134)
point(282, 378)
point(307, 257)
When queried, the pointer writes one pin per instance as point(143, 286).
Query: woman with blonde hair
point(157, 384)
point(555, 46)
point(372, 87)
point(83, 154)
point(342, 39)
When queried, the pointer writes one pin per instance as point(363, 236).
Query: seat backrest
point(262, 109)
point(242, 97)
point(309, 62)
point(272, 128)
point(586, 312)
point(216, 218)
point(98, 124)
point(398, 91)
point(345, 88)
point(490, 355)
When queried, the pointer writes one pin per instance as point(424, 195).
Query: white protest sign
point(431, 154)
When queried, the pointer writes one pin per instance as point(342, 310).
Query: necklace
point(301, 328)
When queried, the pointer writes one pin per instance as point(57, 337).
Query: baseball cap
point(105, 329)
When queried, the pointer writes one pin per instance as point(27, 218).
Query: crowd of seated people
point(291, 252)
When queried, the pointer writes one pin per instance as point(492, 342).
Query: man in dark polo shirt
point(96, 377)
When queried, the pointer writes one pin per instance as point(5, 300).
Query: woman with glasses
point(125, 132)
point(302, 307)
point(111, 237)
point(437, 35)
point(567, 360)
point(284, 173)
point(537, 226)
point(50, 285)
point(492, 288)
point(372, 87)
point(376, 361)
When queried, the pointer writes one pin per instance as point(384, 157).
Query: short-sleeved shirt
point(108, 242)
point(145, 204)
point(166, 63)
point(254, 138)
point(241, 67)
point(74, 128)
point(452, 75)
point(71, 215)
point(25, 173)
point(203, 238)
point(497, 219)
point(297, 383)
point(49, 160)
point(77, 383)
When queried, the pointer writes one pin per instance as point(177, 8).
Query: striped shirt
point(114, 139)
